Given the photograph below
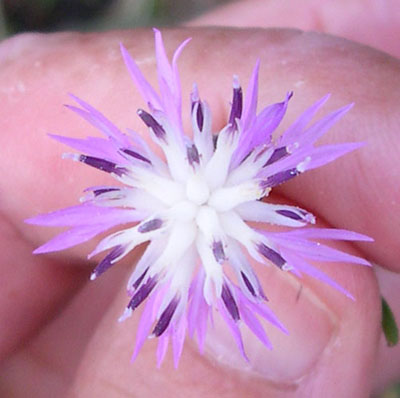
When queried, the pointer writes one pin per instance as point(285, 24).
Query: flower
point(194, 207)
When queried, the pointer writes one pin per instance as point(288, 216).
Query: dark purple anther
point(218, 251)
point(101, 164)
point(142, 293)
point(135, 155)
point(198, 107)
point(289, 214)
point(230, 302)
point(237, 105)
point(138, 281)
point(106, 263)
point(271, 255)
point(200, 117)
point(248, 284)
point(152, 123)
point(165, 318)
point(151, 225)
point(279, 178)
point(100, 191)
point(278, 153)
point(193, 155)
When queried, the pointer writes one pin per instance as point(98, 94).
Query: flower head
point(193, 206)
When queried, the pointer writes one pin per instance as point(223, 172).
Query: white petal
point(267, 213)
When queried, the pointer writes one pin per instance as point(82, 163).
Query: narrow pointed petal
point(162, 349)
point(292, 134)
point(328, 153)
point(72, 237)
point(178, 338)
point(144, 327)
point(314, 272)
point(146, 90)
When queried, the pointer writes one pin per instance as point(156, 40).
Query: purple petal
point(316, 251)
point(250, 103)
point(162, 349)
point(93, 146)
point(97, 119)
point(178, 338)
point(328, 153)
point(72, 237)
point(146, 90)
point(230, 302)
point(318, 129)
point(253, 323)
point(233, 327)
point(267, 314)
point(302, 265)
point(86, 214)
point(143, 329)
point(278, 154)
point(293, 133)
point(329, 233)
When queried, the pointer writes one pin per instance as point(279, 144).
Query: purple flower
point(193, 207)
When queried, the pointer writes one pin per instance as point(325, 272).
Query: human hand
point(71, 341)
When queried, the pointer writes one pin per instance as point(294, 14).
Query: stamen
point(101, 191)
point(193, 155)
point(278, 153)
point(151, 225)
point(279, 178)
point(165, 318)
point(237, 102)
point(218, 251)
point(289, 214)
point(102, 164)
point(248, 284)
point(142, 293)
point(230, 302)
point(107, 262)
point(139, 280)
point(152, 123)
point(135, 155)
point(271, 255)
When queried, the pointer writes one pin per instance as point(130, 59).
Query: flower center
point(197, 190)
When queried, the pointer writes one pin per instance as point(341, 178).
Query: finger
point(312, 63)
point(286, 38)
point(334, 357)
point(33, 289)
point(388, 362)
point(370, 22)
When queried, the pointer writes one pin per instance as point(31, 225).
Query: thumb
point(329, 351)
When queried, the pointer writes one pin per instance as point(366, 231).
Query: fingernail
point(311, 327)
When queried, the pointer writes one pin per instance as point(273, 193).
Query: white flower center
point(197, 190)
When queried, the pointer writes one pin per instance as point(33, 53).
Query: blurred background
point(96, 15)
point(52, 15)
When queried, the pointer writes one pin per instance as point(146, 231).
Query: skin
point(62, 338)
